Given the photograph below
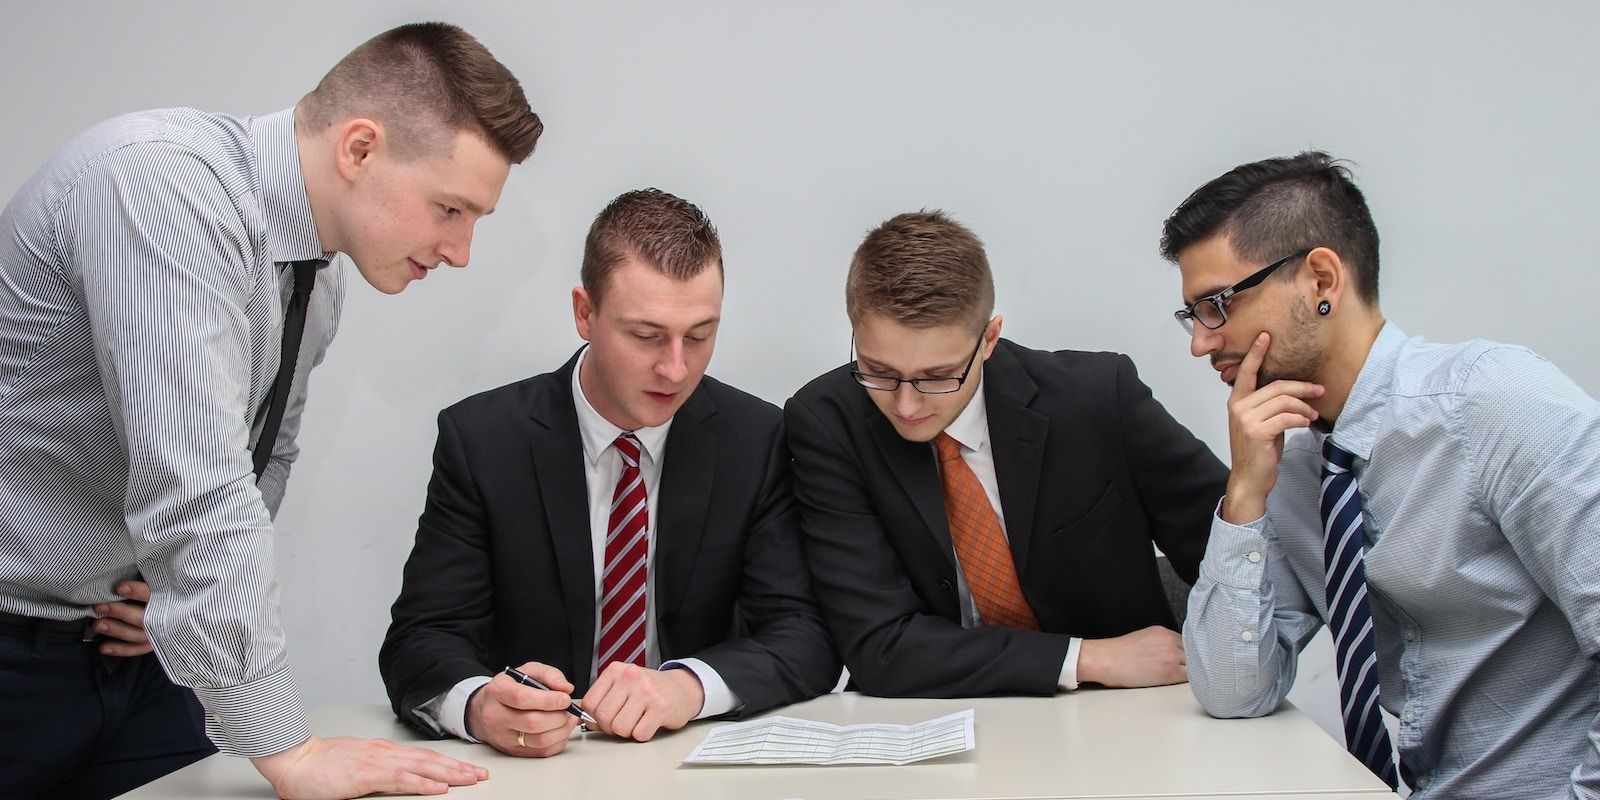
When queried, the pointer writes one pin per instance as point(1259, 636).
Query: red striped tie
point(622, 584)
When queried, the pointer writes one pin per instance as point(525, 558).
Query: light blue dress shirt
point(1478, 466)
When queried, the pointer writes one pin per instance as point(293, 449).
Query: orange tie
point(981, 546)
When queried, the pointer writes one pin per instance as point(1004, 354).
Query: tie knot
point(628, 447)
point(949, 449)
point(1335, 457)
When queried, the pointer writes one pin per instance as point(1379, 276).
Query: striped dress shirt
point(1478, 466)
point(141, 312)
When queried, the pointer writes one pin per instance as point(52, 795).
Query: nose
point(907, 401)
point(1203, 341)
point(673, 366)
point(456, 248)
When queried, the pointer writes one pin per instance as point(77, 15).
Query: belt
point(60, 627)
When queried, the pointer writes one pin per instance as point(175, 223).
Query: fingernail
point(102, 627)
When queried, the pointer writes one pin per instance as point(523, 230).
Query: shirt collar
point(971, 427)
point(598, 433)
point(291, 230)
point(1362, 415)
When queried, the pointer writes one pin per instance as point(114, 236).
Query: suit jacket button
point(945, 585)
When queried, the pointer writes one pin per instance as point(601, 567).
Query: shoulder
point(177, 144)
point(737, 405)
point(513, 398)
point(1480, 373)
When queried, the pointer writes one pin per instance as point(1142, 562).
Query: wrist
point(1242, 504)
point(274, 766)
point(1089, 666)
point(692, 692)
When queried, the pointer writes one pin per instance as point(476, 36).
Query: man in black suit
point(978, 516)
point(624, 528)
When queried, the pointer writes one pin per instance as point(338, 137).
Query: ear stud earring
point(1324, 308)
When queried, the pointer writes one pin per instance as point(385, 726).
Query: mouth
point(664, 398)
point(418, 272)
point(1230, 371)
point(912, 422)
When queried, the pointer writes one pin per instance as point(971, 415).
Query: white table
point(1130, 743)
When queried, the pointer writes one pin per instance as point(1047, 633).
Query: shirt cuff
point(261, 718)
point(1069, 665)
point(1236, 555)
point(719, 699)
point(448, 711)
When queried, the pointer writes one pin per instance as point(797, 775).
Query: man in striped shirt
point(145, 272)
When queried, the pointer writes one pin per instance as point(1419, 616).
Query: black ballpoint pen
point(572, 707)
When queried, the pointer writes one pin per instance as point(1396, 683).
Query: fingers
point(636, 703)
point(1245, 381)
point(504, 708)
point(526, 698)
point(124, 622)
point(349, 767)
point(137, 591)
point(548, 675)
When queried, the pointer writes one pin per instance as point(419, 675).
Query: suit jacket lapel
point(559, 476)
point(687, 470)
point(1017, 435)
point(912, 464)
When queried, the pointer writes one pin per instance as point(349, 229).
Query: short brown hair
point(426, 81)
point(921, 269)
point(661, 229)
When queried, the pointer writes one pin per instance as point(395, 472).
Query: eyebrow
point(1207, 293)
point(945, 370)
point(656, 326)
point(462, 202)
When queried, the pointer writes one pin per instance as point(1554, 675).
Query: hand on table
point(1149, 657)
point(344, 766)
point(634, 702)
point(503, 709)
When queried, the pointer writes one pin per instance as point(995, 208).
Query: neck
point(1346, 356)
point(316, 171)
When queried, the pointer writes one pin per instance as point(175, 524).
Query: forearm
point(1241, 647)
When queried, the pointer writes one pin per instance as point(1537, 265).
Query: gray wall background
point(1063, 132)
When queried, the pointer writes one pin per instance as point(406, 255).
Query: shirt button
point(1422, 782)
point(1255, 558)
point(1409, 717)
point(1411, 634)
point(1248, 636)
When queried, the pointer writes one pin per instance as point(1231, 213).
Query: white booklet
point(786, 740)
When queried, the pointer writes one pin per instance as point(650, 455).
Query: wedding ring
point(520, 742)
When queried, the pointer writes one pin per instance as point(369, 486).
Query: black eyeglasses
point(889, 383)
point(1212, 311)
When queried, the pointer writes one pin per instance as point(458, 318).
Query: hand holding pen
point(588, 723)
point(523, 712)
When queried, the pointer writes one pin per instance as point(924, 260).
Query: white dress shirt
point(602, 468)
point(971, 430)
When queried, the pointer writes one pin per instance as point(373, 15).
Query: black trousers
point(76, 724)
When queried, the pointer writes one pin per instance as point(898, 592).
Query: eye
point(645, 337)
point(450, 211)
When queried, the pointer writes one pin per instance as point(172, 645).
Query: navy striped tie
point(1350, 615)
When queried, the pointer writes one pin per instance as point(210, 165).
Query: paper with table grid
point(786, 740)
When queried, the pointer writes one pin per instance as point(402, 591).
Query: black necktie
point(294, 328)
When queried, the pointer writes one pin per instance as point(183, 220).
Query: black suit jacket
point(502, 570)
point(1091, 471)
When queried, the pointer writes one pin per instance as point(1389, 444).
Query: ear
point(1326, 276)
point(583, 310)
point(357, 141)
point(991, 336)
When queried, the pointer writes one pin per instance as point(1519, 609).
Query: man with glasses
point(981, 518)
point(1436, 506)
point(622, 528)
